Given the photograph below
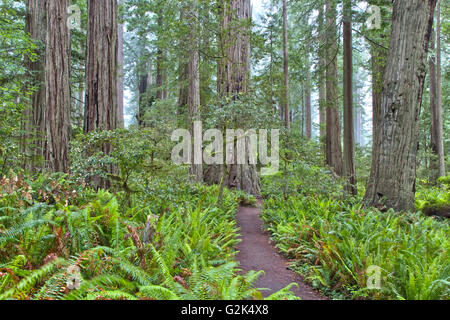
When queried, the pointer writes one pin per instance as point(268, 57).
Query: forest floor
point(256, 252)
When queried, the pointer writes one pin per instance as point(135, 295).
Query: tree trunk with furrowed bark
point(349, 134)
point(102, 72)
point(393, 174)
point(101, 66)
point(333, 136)
point(233, 78)
point(50, 114)
point(437, 134)
point(193, 90)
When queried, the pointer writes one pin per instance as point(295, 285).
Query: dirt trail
point(257, 253)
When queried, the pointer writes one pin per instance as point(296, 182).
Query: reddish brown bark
point(393, 174)
point(50, 115)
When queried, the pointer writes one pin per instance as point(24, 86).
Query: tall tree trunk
point(161, 60)
point(142, 89)
point(183, 68)
point(80, 108)
point(437, 134)
point(379, 55)
point(101, 73)
point(144, 78)
point(272, 95)
point(47, 23)
point(120, 79)
point(160, 93)
point(196, 169)
point(393, 174)
point(358, 122)
point(322, 77)
point(308, 111)
point(333, 136)
point(349, 152)
point(286, 67)
point(101, 66)
point(57, 83)
point(322, 111)
point(165, 77)
point(35, 122)
point(232, 81)
point(378, 61)
point(159, 75)
point(183, 75)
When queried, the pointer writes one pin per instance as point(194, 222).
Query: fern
point(157, 293)
point(110, 295)
point(106, 282)
point(37, 276)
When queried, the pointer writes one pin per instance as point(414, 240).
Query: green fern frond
point(157, 293)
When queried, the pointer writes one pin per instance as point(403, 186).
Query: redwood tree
point(101, 66)
point(47, 24)
point(102, 73)
point(120, 79)
point(287, 114)
point(333, 136)
point(232, 82)
point(349, 135)
point(437, 134)
point(193, 91)
point(393, 174)
point(321, 74)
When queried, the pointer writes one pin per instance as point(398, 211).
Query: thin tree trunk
point(35, 121)
point(183, 69)
point(183, 75)
point(437, 135)
point(80, 110)
point(358, 124)
point(349, 152)
point(120, 79)
point(322, 77)
point(393, 174)
point(322, 111)
point(440, 114)
point(333, 136)
point(160, 83)
point(272, 100)
point(196, 169)
point(308, 112)
point(286, 67)
point(142, 89)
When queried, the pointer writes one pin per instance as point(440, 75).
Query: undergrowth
point(164, 240)
point(337, 244)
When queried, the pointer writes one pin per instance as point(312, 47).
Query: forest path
point(257, 253)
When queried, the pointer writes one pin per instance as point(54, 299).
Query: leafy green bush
point(133, 152)
point(445, 181)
